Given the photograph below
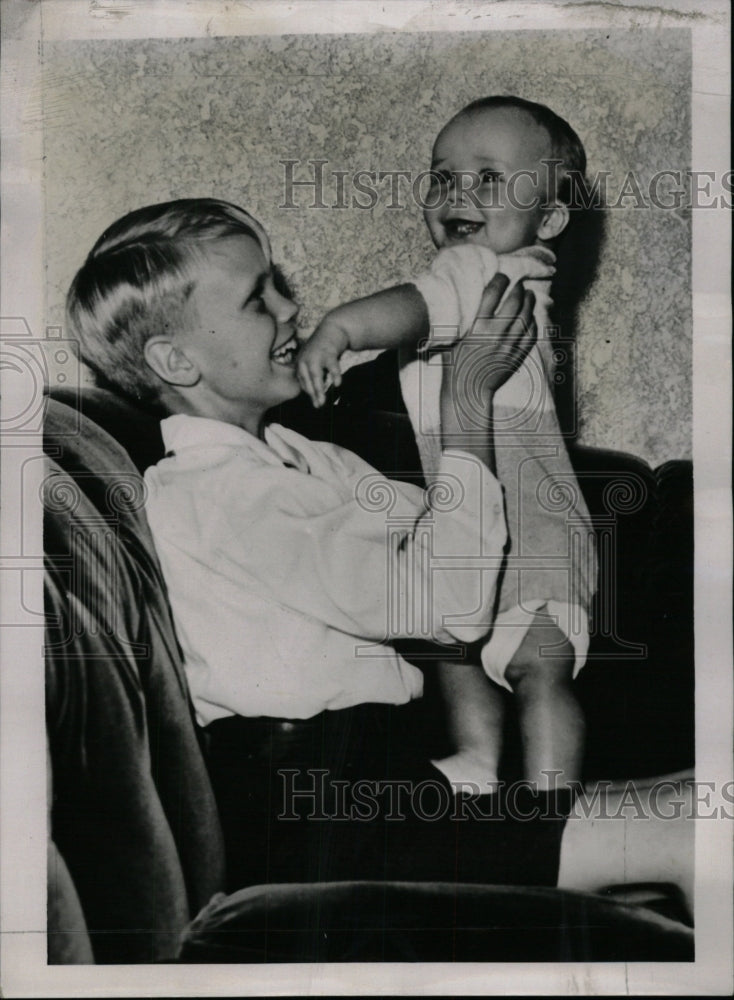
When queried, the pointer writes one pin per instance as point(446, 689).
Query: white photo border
point(26, 24)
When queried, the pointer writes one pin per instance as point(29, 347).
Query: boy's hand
point(498, 342)
point(318, 357)
point(509, 334)
point(480, 363)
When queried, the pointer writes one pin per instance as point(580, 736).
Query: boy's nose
point(285, 308)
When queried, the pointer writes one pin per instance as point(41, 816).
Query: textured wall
point(129, 123)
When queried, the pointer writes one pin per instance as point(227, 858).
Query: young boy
point(280, 554)
point(499, 201)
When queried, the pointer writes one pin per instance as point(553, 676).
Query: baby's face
point(497, 152)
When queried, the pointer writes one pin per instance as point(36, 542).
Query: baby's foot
point(469, 772)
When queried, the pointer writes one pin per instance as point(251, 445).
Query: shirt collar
point(182, 431)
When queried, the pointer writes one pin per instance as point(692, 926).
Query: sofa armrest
point(428, 922)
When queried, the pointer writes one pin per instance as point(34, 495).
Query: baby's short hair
point(137, 282)
point(565, 143)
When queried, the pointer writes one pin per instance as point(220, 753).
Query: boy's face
point(243, 341)
point(489, 149)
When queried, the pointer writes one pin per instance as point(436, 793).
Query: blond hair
point(137, 282)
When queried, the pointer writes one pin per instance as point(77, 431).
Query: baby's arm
point(390, 318)
point(442, 303)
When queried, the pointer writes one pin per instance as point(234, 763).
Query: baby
point(499, 200)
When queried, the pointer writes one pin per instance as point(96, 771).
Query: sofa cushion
point(134, 427)
point(438, 922)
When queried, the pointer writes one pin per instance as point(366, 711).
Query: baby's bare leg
point(474, 708)
point(552, 724)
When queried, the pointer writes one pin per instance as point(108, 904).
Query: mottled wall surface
point(134, 122)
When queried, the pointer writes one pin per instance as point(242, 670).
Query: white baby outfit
point(551, 562)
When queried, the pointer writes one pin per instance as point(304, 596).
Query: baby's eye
point(489, 176)
point(440, 178)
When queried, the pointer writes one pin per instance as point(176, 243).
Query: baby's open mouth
point(457, 229)
point(285, 354)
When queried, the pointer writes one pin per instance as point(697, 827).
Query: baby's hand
point(319, 356)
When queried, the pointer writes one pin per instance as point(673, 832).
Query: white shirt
point(290, 564)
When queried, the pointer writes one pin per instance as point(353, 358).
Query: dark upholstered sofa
point(135, 849)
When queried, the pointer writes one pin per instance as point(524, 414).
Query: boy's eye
point(256, 303)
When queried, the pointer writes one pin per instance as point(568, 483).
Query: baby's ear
point(555, 220)
point(170, 363)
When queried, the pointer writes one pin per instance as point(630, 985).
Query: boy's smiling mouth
point(285, 353)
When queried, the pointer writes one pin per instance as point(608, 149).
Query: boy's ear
point(555, 220)
point(170, 363)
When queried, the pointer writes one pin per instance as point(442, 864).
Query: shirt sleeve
point(453, 285)
point(364, 557)
point(452, 288)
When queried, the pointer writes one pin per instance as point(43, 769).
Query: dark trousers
point(351, 794)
